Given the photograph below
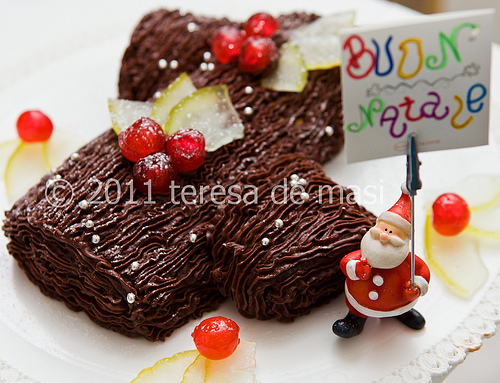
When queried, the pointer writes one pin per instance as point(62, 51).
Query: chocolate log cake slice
point(132, 265)
point(144, 265)
point(280, 256)
point(309, 122)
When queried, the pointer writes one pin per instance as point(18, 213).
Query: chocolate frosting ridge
point(146, 276)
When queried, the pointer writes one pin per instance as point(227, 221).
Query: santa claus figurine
point(378, 280)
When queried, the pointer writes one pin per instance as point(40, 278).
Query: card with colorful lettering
point(430, 76)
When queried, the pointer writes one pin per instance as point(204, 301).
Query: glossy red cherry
point(216, 338)
point(261, 24)
point(450, 214)
point(143, 137)
point(187, 149)
point(257, 53)
point(34, 126)
point(154, 173)
point(226, 43)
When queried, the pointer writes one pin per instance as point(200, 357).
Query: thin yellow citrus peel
point(456, 259)
point(192, 367)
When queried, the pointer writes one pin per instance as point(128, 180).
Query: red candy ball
point(143, 137)
point(187, 149)
point(261, 24)
point(156, 168)
point(216, 338)
point(226, 43)
point(34, 126)
point(257, 53)
point(450, 214)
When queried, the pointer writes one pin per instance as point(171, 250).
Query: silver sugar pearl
point(182, 12)
point(50, 183)
point(96, 239)
point(174, 64)
point(207, 56)
point(265, 241)
point(248, 111)
point(157, 94)
point(193, 237)
point(294, 183)
point(134, 266)
point(329, 131)
point(211, 66)
point(162, 63)
point(302, 182)
point(278, 223)
point(58, 177)
point(204, 67)
point(89, 224)
point(75, 157)
point(248, 90)
point(130, 298)
point(83, 204)
point(304, 196)
point(294, 177)
point(191, 27)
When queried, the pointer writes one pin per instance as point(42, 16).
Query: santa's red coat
point(381, 295)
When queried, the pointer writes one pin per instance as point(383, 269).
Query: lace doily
point(434, 364)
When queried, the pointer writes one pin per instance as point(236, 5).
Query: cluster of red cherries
point(158, 158)
point(252, 47)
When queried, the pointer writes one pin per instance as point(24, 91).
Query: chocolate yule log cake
point(309, 122)
point(144, 265)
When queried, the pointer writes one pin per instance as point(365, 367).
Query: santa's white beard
point(383, 255)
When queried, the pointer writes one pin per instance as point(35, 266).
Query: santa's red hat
point(400, 214)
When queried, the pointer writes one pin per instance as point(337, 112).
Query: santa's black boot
point(348, 327)
point(413, 319)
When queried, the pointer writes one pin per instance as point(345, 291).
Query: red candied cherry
point(261, 24)
point(143, 137)
point(226, 43)
point(216, 338)
point(450, 214)
point(187, 149)
point(257, 53)
point(154, 173)
point(34, 126)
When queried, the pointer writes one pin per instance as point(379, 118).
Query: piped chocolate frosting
point(144, 269)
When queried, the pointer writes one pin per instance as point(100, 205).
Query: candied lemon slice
point(319, 41)
point(32, 156)
point(239, 367)
point(181, 87)
point(195, 373)
point(455, 259)
point(210, 111)
point(320, 52)
point(169, 369)
point(290, 74)
point(124, 113)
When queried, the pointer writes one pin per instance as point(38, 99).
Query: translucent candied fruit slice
point(319, 41)
point(169, 369)
point(210, 111)
point(239, 367)
point(456, 260)
point(124, 113)
point(290, 74)
point(195, 373)
point(181, 87)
